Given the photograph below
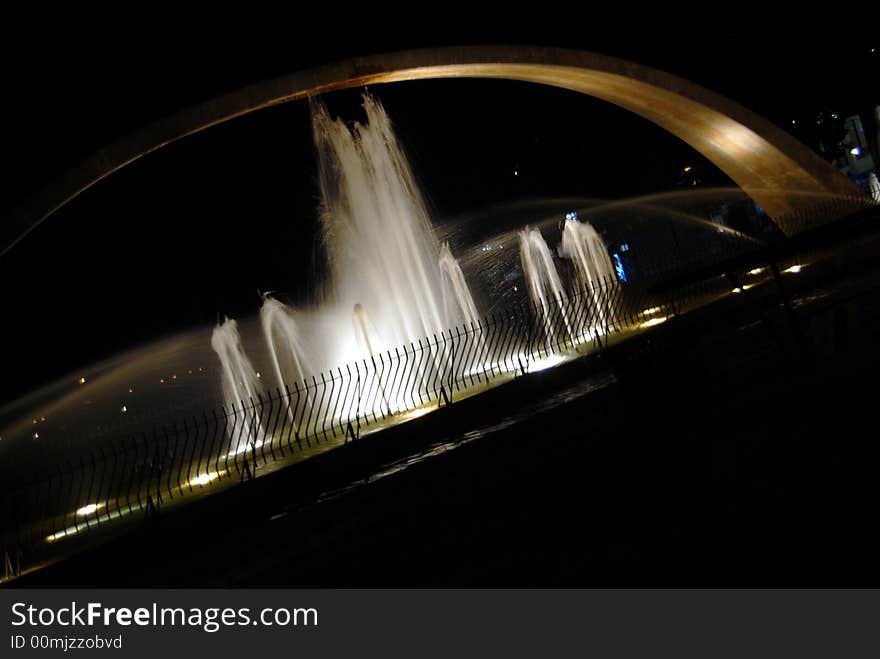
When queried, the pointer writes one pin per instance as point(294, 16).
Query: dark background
point(196, 229)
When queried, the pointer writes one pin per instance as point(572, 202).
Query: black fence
point(134, 474)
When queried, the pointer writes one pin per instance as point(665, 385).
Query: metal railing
point(135, 474)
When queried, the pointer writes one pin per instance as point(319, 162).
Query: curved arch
point(777, 171)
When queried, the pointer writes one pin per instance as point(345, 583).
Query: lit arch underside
point(782, 175)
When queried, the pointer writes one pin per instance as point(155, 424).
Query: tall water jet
point(542, 279)
point(381, 248)
point(582, 244)
point(285, 340)
point(592, 265)
point(457, 299)
point(382, 256)
point(593, 268)
point(239, 383)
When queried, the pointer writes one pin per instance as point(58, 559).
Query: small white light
point(204, 479)
point(123, 409)
point(89, 509)
point(855, 151)
point(545, 363)
point(795, 269)
point(652, 310)
point(756, 271)
point(737, 290)
point(653, 321)
point(82, 380)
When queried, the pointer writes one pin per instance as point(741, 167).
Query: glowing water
point(385, 263)
point(593, 267)
point(542, 279)
point(382, 250)
point(586, 249)
point(239, 382)
point(457, 300)
point(284, 338)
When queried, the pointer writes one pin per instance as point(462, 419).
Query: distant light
point(89, 509)
point(855, 151)
point(652, 310)
point(687, 169)
point(833, 115)
point(204, 479)
point(573, 216)
point(173, 377)
point(36, 435)
point(653, 321)
point(624, 247)
point(794, 269)
point(131, 390)
point(793, 122)
point(516, 172)
point(737, 290)
point(82, 380)
point(515, 288)
point(123, 409)
point(545, 363)
point(756, 271)
point(258, 375)
point(161, 380)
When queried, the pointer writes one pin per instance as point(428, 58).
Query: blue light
point(624, 247)
point(856, 151)
point(618, 267)
point(573, 216)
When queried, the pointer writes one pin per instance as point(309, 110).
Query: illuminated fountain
point(542, 279)
point(592, 265)
point(457, 300)
point(385, 264)
point(586, 249)
point(239, 382)
point(382, 251)
point(285, 340)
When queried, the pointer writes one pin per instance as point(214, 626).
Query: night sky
point(196, 229)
